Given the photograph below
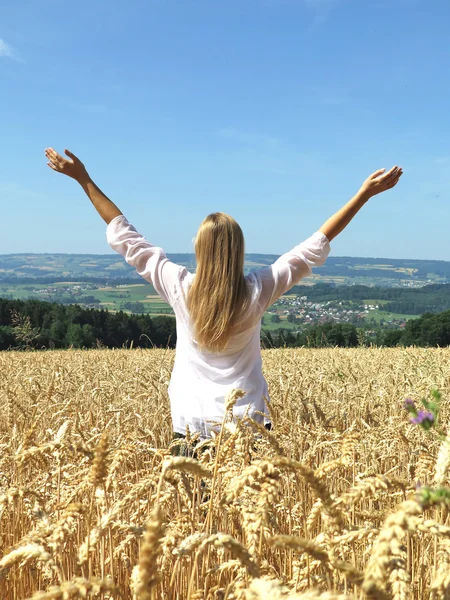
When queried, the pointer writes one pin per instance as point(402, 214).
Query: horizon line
point(168, 254)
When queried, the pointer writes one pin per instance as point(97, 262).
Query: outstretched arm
point(375, 184)
point(75, 168)
point(291, 267)
point(149, 261)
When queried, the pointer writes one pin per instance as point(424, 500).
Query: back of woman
point(218, 310)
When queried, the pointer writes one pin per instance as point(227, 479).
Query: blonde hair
point(218, 295)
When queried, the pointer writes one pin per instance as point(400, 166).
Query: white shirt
point(201, 380)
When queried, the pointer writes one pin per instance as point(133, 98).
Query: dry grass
point(92, 504)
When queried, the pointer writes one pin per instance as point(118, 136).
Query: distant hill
point(338, 270)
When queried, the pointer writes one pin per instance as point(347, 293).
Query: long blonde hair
point(218, 295)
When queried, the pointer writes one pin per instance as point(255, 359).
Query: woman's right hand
point(73, 168)
point(380, 181)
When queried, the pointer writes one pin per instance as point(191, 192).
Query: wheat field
point(94, 503)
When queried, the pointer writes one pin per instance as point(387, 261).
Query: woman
point(218, 310)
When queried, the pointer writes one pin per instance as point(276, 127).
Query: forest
point(44, 325)
point(41, 325)
point(429, 330)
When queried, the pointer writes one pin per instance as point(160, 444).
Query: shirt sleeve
point(291, 267)
point(149, 261)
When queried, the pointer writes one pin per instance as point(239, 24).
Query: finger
point(71, 155)
point(58, 161)
point(393, 183)
point(385, 181)
point(395, 176)
point(377, 173)
point(391, 173)
point(50, 157)
point(54, 156)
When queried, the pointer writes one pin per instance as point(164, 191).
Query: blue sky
point(274, 111)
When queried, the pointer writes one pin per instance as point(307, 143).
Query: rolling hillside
point(340, 270)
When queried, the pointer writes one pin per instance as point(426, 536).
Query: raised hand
point(380, 181)
point(73, 167)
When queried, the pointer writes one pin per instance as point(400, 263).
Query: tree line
point(429, 330)
point(45, 325)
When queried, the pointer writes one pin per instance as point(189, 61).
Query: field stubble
point(93, 504)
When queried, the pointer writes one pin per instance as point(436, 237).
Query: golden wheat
point(94, 504)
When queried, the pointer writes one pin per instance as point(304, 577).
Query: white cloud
point(5, 50)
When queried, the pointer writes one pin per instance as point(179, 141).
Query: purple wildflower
point(424, 417)
point(409, 404)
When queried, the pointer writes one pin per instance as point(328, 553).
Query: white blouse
point(201, 380)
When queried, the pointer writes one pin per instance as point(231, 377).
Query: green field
point(122, 297)
point(112, 298)
point(372, 302)
point(269, 326)
point(378, 315)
